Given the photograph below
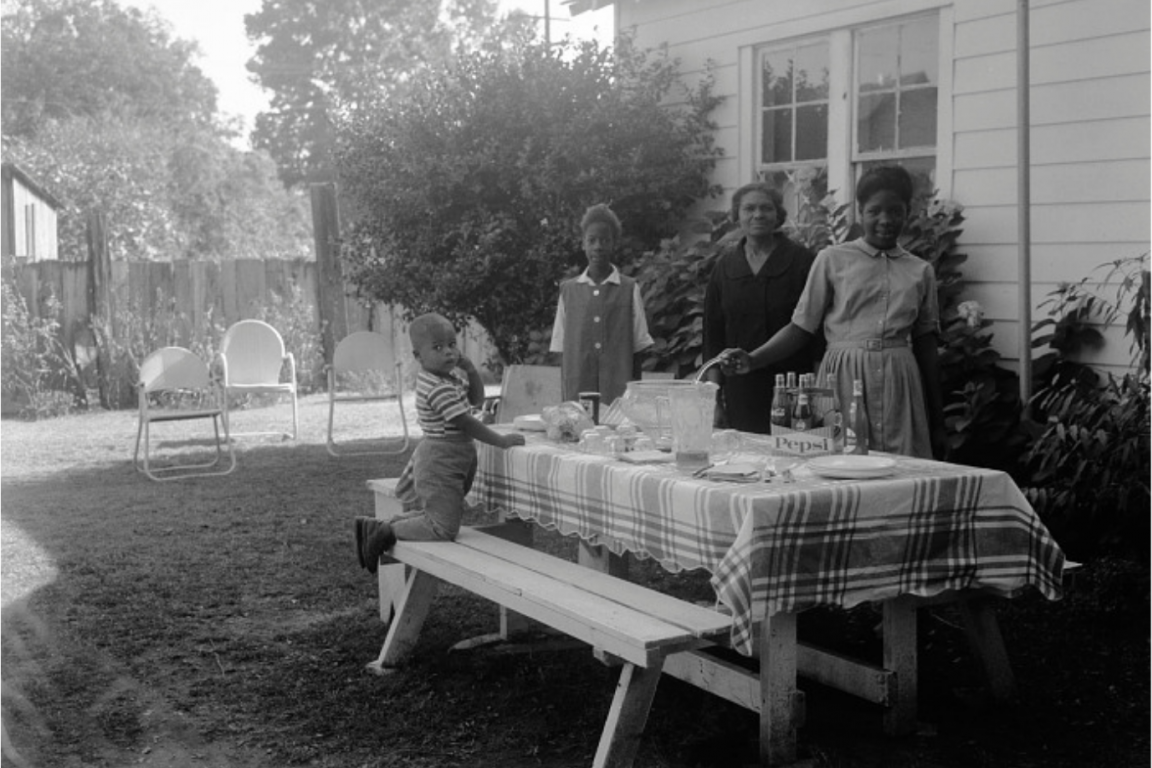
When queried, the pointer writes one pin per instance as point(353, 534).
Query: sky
point(218, 27)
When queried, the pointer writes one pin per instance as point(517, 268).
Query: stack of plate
point(852, 467)
point(530, 423)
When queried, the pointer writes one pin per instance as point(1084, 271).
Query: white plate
point(646, 457)
point(852, 467)
point(531, 423)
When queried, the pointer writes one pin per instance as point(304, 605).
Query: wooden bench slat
point(618, 629)
point(698, 620)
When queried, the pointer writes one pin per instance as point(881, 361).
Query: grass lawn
point(225, 622)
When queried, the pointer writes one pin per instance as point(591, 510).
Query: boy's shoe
point(373, 539)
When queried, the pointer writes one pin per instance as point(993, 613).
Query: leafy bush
point(295, 319)
point(982, 406)
point(673, 280)
point(466, 195)
point(35, 366)
point(131, 335)
point(1089, 462)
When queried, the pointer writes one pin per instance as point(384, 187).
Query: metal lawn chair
point(526, 389)
point(251, 361)
point(360, 364)
point(168, 377)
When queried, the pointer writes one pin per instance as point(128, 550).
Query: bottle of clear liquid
point(802, 416)
point(856, 437)
point(790, 390)
point(834, 417)
point(781, 415)
point(809, 384)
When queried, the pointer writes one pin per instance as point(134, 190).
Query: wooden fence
point(199, 299)
point(196, 296)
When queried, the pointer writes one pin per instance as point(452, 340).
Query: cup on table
point(726, 443)
point(643, 443)
point(593, 442)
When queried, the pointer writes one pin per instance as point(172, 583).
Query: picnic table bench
point(624, 622)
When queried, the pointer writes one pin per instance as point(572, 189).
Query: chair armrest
point(219, 369)
point(488, 409)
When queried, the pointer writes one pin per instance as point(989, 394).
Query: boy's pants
point(432, 488)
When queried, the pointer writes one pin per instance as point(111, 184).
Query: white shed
point(29, 218)
point(823, 88)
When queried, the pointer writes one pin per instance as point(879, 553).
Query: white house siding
point(1090, 124)
point(16, 198)
point(44, 229)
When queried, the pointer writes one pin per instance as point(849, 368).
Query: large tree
point(320, 59)
point(109, 111)
point(466, 194)
point(85, 58)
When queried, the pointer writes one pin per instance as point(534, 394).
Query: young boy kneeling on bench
point(439, 475)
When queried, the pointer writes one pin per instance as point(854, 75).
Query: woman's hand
point(735, 362)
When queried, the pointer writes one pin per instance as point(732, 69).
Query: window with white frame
point(890, 70)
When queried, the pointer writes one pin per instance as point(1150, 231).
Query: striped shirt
point(439, 399)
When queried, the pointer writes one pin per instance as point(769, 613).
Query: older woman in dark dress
point(751, 294)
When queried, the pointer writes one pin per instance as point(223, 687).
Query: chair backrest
point(361, 352)
point(170, 368)
point(254, 351)
point(527, 389)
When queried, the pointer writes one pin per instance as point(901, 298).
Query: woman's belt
point(873, 344)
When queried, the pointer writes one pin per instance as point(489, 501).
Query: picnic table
point(930, 530)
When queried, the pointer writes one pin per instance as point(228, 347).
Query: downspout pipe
point(1024, 203)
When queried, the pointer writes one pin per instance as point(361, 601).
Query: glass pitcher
point(691, 412)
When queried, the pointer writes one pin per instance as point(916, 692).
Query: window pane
point(776, 146)
point(922, 169)
point(876, 124)
point(877, 62)
point(777, 78)
point(812, 132)
point(812, 73)
point(919, 54)
point(918, 118)
point(803, 190)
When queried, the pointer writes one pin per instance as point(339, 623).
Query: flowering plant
point(565, 423)
point(972, 313)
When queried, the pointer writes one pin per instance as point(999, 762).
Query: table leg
point(519, 531)
point(411, 610)
point(600, 558)
point(987, 645)
point(390, 576)
point(778, 693)
point(627, 716)
point(899, 632)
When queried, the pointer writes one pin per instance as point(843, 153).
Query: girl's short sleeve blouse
point(858, 293)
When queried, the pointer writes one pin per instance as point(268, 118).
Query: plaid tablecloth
point(777, 546)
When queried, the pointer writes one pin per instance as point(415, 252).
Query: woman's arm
point(784, 343)
point(924, 349)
